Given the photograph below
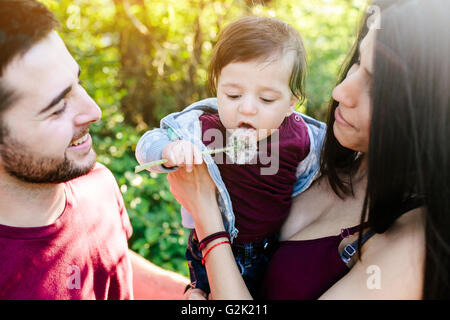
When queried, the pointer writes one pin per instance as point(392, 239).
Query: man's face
point(46, 137)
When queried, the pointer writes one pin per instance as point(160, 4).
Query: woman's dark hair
point(409, 153)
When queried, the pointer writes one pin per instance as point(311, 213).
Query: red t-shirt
point(82, 255)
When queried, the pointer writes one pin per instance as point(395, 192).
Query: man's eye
point(61, 110)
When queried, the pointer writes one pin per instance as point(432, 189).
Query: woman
point(385, 184)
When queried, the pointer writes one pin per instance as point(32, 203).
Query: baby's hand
point(182, 153)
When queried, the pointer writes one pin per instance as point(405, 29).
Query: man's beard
point(32, 168)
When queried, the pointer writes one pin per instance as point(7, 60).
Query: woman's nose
point(344, 94)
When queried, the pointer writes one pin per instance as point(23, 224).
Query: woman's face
point(352, 116)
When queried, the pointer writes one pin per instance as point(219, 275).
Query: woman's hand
point(192, 188)
point(196, 192)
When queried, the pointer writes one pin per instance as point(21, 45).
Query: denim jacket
point(185, 125)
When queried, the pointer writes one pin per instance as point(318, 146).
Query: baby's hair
point(257, 38)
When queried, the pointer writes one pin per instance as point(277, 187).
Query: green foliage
point(142, 59)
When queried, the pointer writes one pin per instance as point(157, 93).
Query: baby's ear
point(292, 104)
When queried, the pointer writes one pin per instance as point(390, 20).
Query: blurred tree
point(161, 51)
point(137, 45)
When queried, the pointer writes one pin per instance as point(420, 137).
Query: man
point(63, 223)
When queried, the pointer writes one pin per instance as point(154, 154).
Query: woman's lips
point(338, 117)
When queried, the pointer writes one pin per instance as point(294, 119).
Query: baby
point(257, 72)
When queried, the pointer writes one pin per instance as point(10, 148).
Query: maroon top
point(305, 269)
point(82, 255)
point(262, 202)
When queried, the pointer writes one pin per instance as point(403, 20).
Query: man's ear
point(292, 104)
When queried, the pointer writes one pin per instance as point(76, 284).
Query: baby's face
point(255, 94)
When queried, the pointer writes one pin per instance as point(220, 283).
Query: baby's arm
point(156, 145)
point(182, 153)
point(150, 148)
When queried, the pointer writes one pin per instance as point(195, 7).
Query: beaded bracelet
point(217, 244)
point(212, 237)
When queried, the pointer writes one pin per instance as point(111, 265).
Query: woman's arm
point(197, 193)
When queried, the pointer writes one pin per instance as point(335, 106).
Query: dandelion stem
point(148, 165)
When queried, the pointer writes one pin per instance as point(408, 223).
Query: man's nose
point(89, 111)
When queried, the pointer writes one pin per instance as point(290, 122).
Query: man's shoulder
point(102, 170)
point(99, 176)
